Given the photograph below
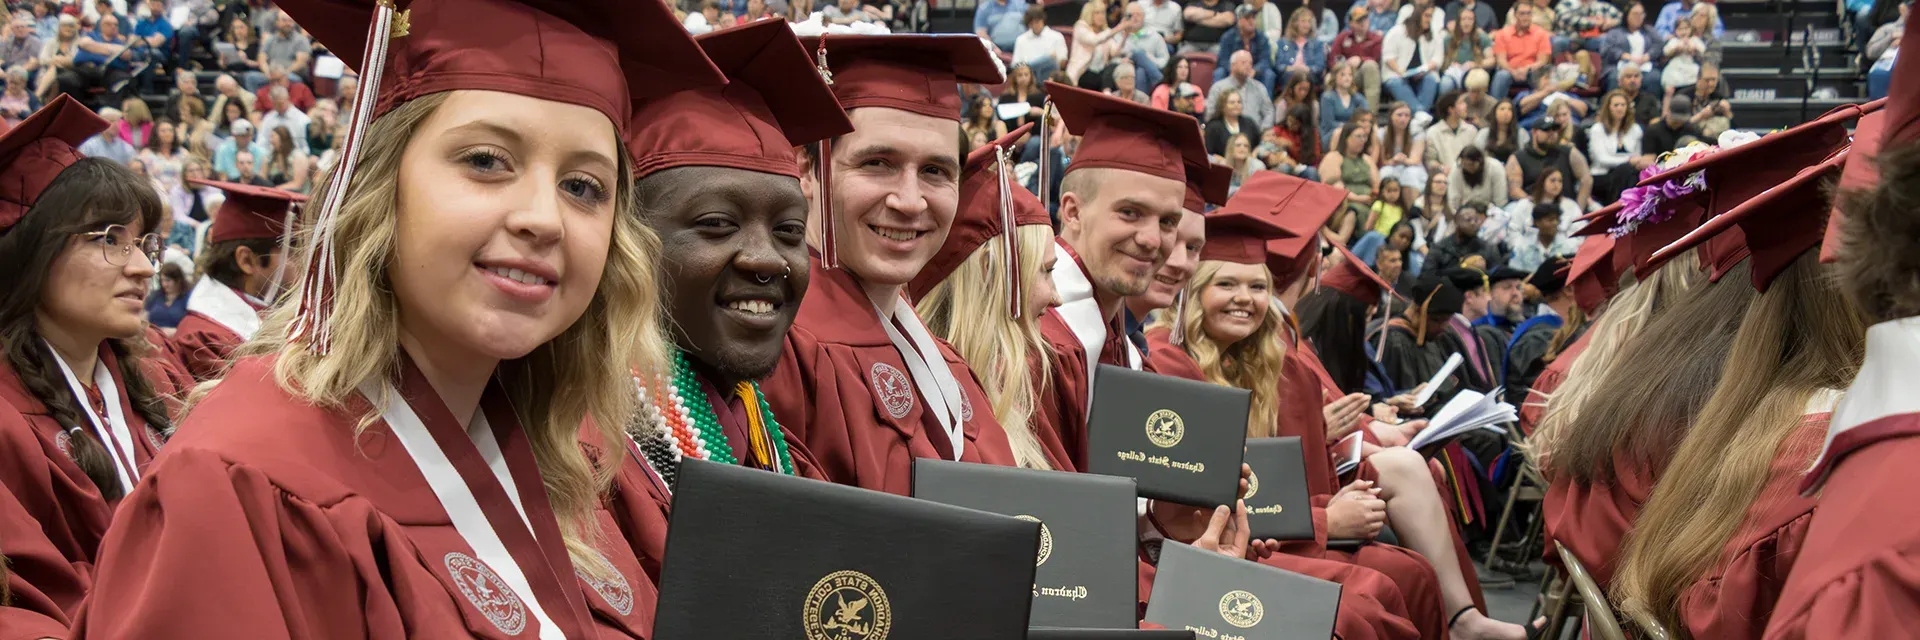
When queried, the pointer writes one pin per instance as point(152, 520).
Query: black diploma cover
point(1087, 576)
point(1233, 599)
point(1277, 504)
point(1182, 440)
point(753, 555)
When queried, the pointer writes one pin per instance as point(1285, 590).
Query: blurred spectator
point(1253, 92)
point(1502, 135)
point(100, 63)
point(1340, 101)
point(247, 168)
point(1300, 138)
point(92, 12)
point(1094, 45)
point(839, 12)
point(1187, 99)
point(326, 113)
point(1510, 225)
point(1299, 52)
point(1228, 120)
point(286, 164)
point(1475, 179)
point(1022, 88)
point(1040, 48)
point(1142, 46)
point(1163, 17)
point(280, 113)
point(227, 158)
point(185, 85)
point(1358, 48)
point(1241, 159)
point(1632, 44)
point(1519, 49)
point(1546, 241)
point(228, 90)
point(189, 200)
point(1676, 10)
point(1000, 21)
point(286, 47)
point(1479, 103)
point(1295, 90)
point(165, 155)
point(1542, 18)
point(757, 9)
point(348, 90)
point(1179, 71)
point(1348, 165)
point(1246, 36)
point(1712, 113)
point(1380, 15)
point(136, 122)
point(240, 53)
point(17, 102)
point(1545, 148)
point(1613, 148)
point(1674, 129)
point(981, 122)
point(193, 126)
point(1388, 210)
point(1646, 105)
point(21, 48)
point(1276, 152)
point(196, 33)
point(1585, 21)
point(108, 144)
point(1683, 53)
point(1268, 19)
point(1451, 134)
point(278, 77)
point(167, 305)
point(1887, 37)
point(150, 25)
point(1484, 18)
point(1126, 85)
point(1468, 48)
point(1412, 56)
point(1206, 22)
point(46, 19)
point(1464, 247)
point(1402, 145)
point(1573, 137)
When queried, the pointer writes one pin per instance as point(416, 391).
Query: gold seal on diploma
point(847, 605)
point(1241, 609)
point(1046, 539)
point(1253, 485)
point(1164, 428)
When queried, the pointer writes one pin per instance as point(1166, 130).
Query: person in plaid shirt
point(1585, 20)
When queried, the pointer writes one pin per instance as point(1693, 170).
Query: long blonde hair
point(1253, 363)
point(583, 373)
point(1622, 320)
point(1798, 338)
point(969, 311)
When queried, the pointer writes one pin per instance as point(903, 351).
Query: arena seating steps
point(1765, 61)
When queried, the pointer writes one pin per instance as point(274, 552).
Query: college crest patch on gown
point(893, 389)
point(488, 593)
point(966, 409)
point(155, 438)
point(613, 588)
point(63, 442)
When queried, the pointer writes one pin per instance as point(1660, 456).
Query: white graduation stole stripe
point(115, 433)
point(225, 307)
point(454, 496)
point(932, 379)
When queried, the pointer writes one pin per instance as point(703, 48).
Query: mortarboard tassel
point(1015, 299)
point(312, 322)
point(1420, 338)
point(286, 249)
point(823, 176)
point(1178, 336)
point(1046, 156)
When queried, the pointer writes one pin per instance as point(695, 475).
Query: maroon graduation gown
point(270, 518)
point(205, 344)
point(641, 503)
point(1737, 597)
point(52, 517)
point(1064, 397)
point(1858, 575)
point(1533, 408)
point(841, 387)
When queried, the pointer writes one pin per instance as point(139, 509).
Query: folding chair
point(1601, 622)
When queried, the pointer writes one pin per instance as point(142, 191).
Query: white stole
point(224, 306)
point(1885, 385)
point(932, 378)
point(115, 434)
point(1082, 314)
point(451, 490)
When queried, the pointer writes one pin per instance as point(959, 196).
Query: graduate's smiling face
point(734, 243)
point(1185, 256)
point(505, 215)
point(896, 186)
point(1122, 223)
point(1234, 301)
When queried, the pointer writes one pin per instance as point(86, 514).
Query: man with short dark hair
point(1246, 36)
point(1519, 49)
point(1040, 48)
point(1464, 247)
point(1673, 130)
point(1546, 147)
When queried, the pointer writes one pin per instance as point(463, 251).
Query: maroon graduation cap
point(1779, 224)
point(1207, 185)
point(251, 212)
point(992, 204)
point(915, 73)
point(1122, 134)
point(35, 151)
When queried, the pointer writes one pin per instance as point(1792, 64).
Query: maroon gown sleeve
point(1064, 398)
point(791, 391)
point(1737, 597)
point(203, 347)
point(1859, 577)
point(31, 612)
point(262, 563)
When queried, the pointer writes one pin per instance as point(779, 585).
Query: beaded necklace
point(686, 425)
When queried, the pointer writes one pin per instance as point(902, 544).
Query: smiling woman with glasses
point(78, 421)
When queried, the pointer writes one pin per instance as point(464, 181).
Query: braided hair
point(87, 196)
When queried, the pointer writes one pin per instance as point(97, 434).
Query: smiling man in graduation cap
point(241, 269)
point(717, 178)
point(861, 381)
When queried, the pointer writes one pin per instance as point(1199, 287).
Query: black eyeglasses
point(117, 244)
